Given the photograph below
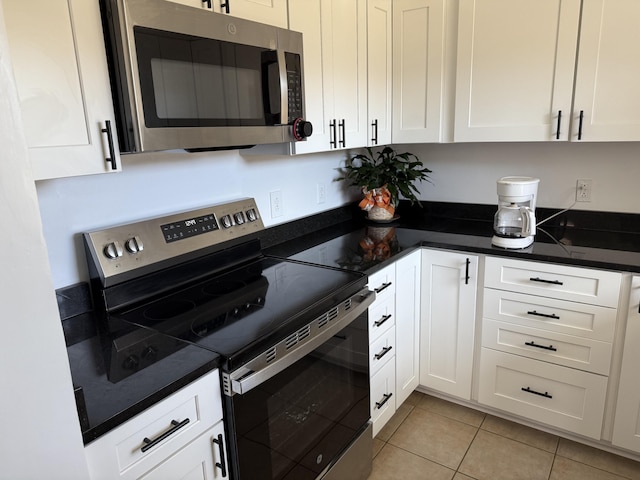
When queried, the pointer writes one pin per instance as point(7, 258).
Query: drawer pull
point(222, 464)
point(528, 390)
point(152, 443)
point(533, 344)
point(542, 280)
point(545, 315)
point(466, 275)
point(384, 318)
point(383, 286)
point(385, 399)
point(384, 351)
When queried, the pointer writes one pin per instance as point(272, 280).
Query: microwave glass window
point(190, 81)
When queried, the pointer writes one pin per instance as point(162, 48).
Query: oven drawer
point(558, 396)
point(568, 350)
point(597, 287)
point(383, 395)
point(381, 350)
point(383, 283)
point(381, 317)
point(187, 414)
point(579, 319)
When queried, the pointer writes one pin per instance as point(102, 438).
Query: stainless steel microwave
point(183, 78)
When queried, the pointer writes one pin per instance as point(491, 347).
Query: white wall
point(468, 172)
point(162, 183)
point(40, 430)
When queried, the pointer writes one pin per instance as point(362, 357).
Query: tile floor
point(429, 438)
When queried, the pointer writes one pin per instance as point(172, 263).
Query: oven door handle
point(247, 378)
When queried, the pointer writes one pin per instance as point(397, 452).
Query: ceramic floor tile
point(492, 457)
point(377, 446)
point(566, 469)
point(599, 459)
point(395, 463)
point(461, 476)
point(414, 398)
point(452, 410)
point(394, 422)
point(435, 437)
point(521, 433)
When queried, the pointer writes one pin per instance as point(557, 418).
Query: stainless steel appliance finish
point(291, 337)
point(188, 79)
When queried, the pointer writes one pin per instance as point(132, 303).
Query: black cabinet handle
point(225, 5)
point(208, 2)
point(534, 344)
point(385, 399)
point(383, 286)
point(343, 136)
point(558, 128)
point(222, 464)
point(528, 390)
point(384, 351)
point(542, 280)
point(333, 134)
point(545, 315)
point(112, 151)
point(466, 275)
point(580, 125)
point(384, 318)
point(374, 133)
point(152, 443)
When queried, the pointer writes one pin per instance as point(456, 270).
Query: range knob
point(134, 244)
point(226, 221)
point(302, 129)
point(251, 215)
point(113, 250)
point(239, 218)
point(131, 362)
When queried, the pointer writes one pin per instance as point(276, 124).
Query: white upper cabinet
point(418, 70)
point(607, 88)
point(60, 66)
point(335, 72)
point(515, 69)
point(379, 71)
point(271, 12)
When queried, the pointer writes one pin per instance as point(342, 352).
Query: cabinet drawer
point(383, 396)
point(584, 285)
point(381, 350)
point(579, 319)
point(384, 283)
point(118, 454)
point(381, 317)
point(570, 351)
point(558, 396)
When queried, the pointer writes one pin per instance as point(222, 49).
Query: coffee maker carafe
point(514, 223)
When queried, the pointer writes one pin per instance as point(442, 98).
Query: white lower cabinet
point(394, 336)
point(180, 437)
point(449, 284)
point(626, 427)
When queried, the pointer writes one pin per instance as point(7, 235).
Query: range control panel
point(126, 248)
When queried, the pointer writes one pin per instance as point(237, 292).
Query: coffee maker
point(514, 223)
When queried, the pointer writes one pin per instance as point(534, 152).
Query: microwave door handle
point(284, 88)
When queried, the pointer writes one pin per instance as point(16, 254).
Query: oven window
point(189, 81)
point(295, 424)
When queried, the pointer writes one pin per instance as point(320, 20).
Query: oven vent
point(300, 335)
point(270, 355)
point(333, 313)
point(347, 304)
point(322, 320)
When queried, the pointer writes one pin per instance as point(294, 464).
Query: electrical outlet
point(276, 203)
point(583, 190)
point(322, 193)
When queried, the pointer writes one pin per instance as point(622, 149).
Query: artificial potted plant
point(383, 177)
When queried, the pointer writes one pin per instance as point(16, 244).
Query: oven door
point(298, 423)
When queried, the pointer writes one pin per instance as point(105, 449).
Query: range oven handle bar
point(251, 379)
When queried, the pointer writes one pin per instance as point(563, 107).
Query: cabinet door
point(418, 70)
point(271, 12)
point(626, 428)
point(515, 69)
point(449, 282)
point(607, 89)
point(407, 325)
point(60, 65)
point(379, 71)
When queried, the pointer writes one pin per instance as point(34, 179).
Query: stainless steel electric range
point(292, 336)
